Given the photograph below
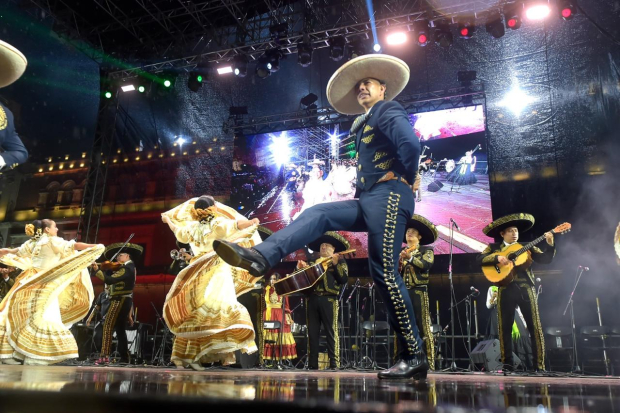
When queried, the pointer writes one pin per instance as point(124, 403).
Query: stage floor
point(138, 389)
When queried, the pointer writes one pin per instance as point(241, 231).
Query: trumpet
point(178, 255)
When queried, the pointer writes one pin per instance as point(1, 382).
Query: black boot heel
point(421, 375)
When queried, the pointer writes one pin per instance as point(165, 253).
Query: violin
point(110, 266)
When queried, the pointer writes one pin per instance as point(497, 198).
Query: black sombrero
point(338, 241)
point(134, 250)
point(522, 221)
point(425, 228)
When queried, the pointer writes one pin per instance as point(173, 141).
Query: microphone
point(446, 327)
point(584, 268)
point(474, 291)
point(539, 286)
point(426, 147)
point(455, 224)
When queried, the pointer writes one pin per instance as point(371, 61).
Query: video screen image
point(276, 176)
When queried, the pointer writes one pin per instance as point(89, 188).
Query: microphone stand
point(344, 359)
point(576, 368)
point(452, 305)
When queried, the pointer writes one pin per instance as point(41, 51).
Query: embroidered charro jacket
point(13, 150)
point(386, 143)
point(542, 255)
point(416, 269)
point(334, 278)
point(121, 282)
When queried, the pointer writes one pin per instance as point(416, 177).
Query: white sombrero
point(341, 92)
point(12, 64)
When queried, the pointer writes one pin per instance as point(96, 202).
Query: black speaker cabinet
point(434, 186)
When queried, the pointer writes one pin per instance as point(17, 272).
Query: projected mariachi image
point(279, 175)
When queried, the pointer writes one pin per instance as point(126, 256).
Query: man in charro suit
point(387, 162)
point(417, 258)
point(322, 302)
point(520, 291)
point(122, 283)
point(12, 66)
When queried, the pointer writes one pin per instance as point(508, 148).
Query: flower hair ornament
point(31, 232)
point(203, 215)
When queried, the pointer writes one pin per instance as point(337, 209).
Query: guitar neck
point(529, 245)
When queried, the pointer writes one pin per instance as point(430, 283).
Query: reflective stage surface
point(92, 389)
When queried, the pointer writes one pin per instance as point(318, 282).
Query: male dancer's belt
point(391, 177)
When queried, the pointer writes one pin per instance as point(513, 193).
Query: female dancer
point(201, 308)
point(53, 292)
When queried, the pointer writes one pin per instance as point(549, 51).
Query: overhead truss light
point(336, 47)
point(495, 25)
point(422, 32)
point(443, 34)
point(467, 27)
point(240, 65)
point(304, 53)
point(537, 10)
point(567, 9)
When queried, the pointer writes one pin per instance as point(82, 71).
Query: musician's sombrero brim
point(617, 241)
point(341, 91)
point(134, 250)
point(338, 241)
point(264, 232)
point(425, 228)
point(522, 221)
point(12, 64)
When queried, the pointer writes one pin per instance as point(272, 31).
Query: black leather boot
point(247, 258)
point(416, 368)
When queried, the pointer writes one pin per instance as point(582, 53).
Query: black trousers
point(116, 320)
point(419, 299)
point(322, 310)
point(523, 295)
point(383, 213)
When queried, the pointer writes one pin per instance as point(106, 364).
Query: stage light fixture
point(443, 34)
point(107, 94)
point(336, 47)
point(279, 31)
point(567, 9)
point(467, 27)
point(194, 82)
point(309, 99)
point(358, 47)
point(396, 38)
point(376, 47)
point(466, 77)
point(240, 65)
point(495, 25)
point(537, 10)
point(167, 83)
point(304, 54)
point(128, 88)
point(421, 27)
point(269, 62)
point(224, 70)
point(513, 15)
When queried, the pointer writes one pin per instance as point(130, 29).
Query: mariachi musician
point(416, 260)
point(121, 277)
point(519, 290)
point(322, 305)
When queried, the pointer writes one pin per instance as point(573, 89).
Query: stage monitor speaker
point(434, 186)
point(488, 354)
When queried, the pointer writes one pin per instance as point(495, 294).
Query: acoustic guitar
point(518, 256)
point(305, 278)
